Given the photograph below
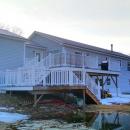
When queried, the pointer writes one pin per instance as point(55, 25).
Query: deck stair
point(92, 96)
point(88, 90)
point(33, 62)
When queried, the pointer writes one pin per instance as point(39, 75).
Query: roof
point(74, 44)
point(7, 33)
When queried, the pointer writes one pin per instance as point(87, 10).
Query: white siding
point(124, 78)
point(11, 53)
point(49, 44)
point(30, 52)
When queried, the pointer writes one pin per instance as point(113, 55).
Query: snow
point(11, 117)
point(121, 99)
point(6, 108)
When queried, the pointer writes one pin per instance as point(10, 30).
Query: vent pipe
point(111, 47)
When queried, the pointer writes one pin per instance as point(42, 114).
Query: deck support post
point(10, 93)
point(116, 86)
point(84, 99)
point(84, 77)
point(103, 87)
point(116, 83)
point(36, 100)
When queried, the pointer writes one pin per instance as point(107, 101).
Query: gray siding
point(124, 77)
point(49, 44)
point(11, 53)
point(30, 52)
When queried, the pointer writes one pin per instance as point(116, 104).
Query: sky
point(94, 22)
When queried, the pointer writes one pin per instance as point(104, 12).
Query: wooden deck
point(39, 90)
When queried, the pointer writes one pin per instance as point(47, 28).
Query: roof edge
point(71, 45)
point(13, 37)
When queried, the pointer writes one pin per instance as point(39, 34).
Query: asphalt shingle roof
point(66, 42)
point(11, 34)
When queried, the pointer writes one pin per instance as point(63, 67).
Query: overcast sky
point(95, 22)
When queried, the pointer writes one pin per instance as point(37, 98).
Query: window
point(128, 66)
point(78, 53)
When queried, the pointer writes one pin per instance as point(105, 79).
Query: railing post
point(84, 77)
point(99, 92)
point(6, 77)
point(19, 77)
point(50, 60)
point(70, 77)
point(65, 58)
point(83, 60)
point(33, 76)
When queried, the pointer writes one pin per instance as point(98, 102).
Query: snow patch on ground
point(6, 108)
point(121, 99)
point(11, 117)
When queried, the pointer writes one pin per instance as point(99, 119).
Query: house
point(44, 64)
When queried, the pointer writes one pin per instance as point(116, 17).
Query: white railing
point(63, 59)
point(8, 77)
point(62, 77)
point(67, 59)
point(30, 61)
point(48, 78)
point(33, 76)
point(2, 78)
point(23, 77)
point(45, 62)
point(93, 87)
point(57, 60)
point(33, 62)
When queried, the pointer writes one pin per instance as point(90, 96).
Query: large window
point(128, 66)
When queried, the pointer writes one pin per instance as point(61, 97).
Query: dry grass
point(121, 108)
point(3, 126)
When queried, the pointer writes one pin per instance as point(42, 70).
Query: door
point(39, 55)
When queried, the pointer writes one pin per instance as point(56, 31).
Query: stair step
point(92, 96)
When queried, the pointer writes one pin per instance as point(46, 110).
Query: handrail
point(31, 61)
point(47, 77)
point(76, 80)
point(93, 87)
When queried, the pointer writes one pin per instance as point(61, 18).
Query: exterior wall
point(93, 60)
point(49, 44)
point(30, 52)
point(116, 65)
point(90, 60)
point(11, 53)
point(124, 78)
point(111, 88)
